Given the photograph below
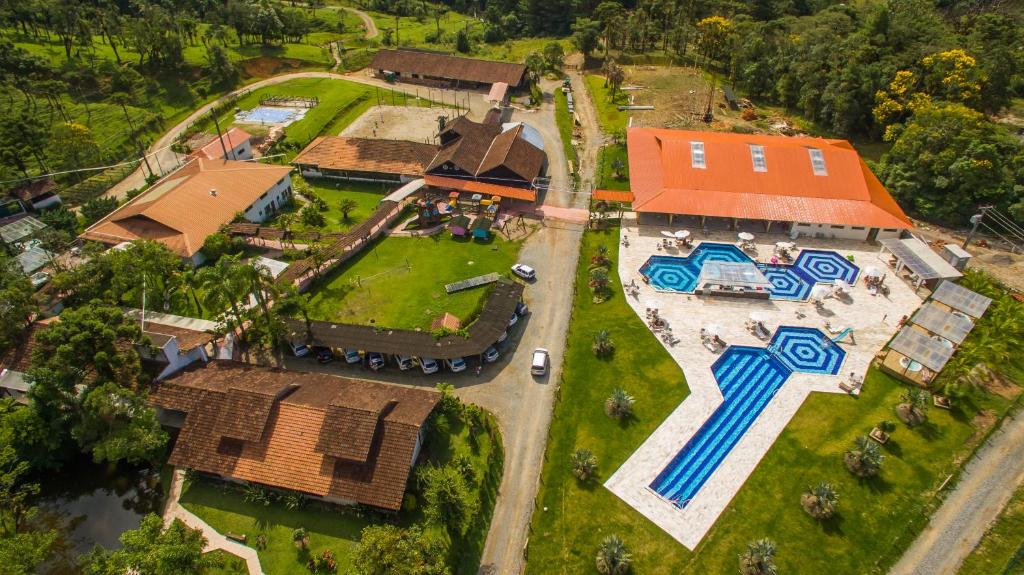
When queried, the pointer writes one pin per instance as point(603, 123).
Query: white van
point(539, 365)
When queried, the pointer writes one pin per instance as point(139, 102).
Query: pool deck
point(872, 318)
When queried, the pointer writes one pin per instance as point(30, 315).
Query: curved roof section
point(757, 177)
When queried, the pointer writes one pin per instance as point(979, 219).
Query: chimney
point(213, 192)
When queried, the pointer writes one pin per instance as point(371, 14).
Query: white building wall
point(279, 195)
point(242, 151)
point(832, 231)
point(176, 361)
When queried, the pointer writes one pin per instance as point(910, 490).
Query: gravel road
point(368, 23)
point(988, 481)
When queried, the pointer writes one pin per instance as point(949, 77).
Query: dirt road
point(988, 481)
point(593, 138)
point(368, 23)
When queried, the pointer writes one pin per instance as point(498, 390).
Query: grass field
point(365, 194)
point(225, 563)
point(877, 518)
point(1001, 550)
point(564, 120)
point(608, 115)
point(399, 282)
point(608, 178)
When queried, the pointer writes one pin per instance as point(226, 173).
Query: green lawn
point(399, 282)
point(564, 120)
point(608, 179)
point(366, 195)
point(225, 563)
point(877, 518)
point(339, 529)
point(1001, 550)
point(608, 114)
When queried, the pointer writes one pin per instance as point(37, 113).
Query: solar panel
point(20, 229)
point(818, 162)
point(757, 157)
point(911, 258)
point(697, 155)
point(952, 326)
point(960, 298)
point(930, 352)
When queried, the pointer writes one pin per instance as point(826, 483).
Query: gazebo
point(459, 226)
point(481, 228)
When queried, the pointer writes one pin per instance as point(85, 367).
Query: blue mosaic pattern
point(749, 378)
point(824, 266)
point(787, 282)
point(680, 274)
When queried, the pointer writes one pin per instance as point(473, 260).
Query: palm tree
point(260, 283)
point(619, 404)
point(603, 345)
point(820, 501)
point(613, 558)
point(759, 558)
point(291, 302)
point(584, 464)
point(225, 288)
point(300, 537)
point(598, 279)
point(865, 459)
point(912, 406)
point(189, 279)
point(347, 206)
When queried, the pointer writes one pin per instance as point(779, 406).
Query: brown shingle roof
point(367, 155)
point(510, 151)
point(438, 65)
point(331, 436)
point(477, 149)
point(180, 212)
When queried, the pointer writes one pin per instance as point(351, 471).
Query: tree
point(72, 146)
point(23, 136)
point(16, 293)
point(462, 43)
point(346, 207)
point(995, 40)
point(913, 406)
point(60, 218)
point(865, 459)
point(613, 558)
point(151, 549)
point(598, 279)
point(619, 404)
point(584, 463)
point(300, 537)
point(610, 15)
point(820, 501)
point(714, 33)
point(759, 558)
point(267, 24)
point(554, 55)
point(536, 64)
point(603, 346)
point(449, 499)
point(614, 77)
point(949, 159)
point(225, 288)
point(218, 245)
point(222, 71)
point(585, 35)
point(117, 424)
point(95, 209)
point(145, 270)
point(311, 216)
point(391, 550)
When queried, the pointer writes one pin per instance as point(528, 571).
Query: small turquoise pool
point(789, 282)
point(749, 377)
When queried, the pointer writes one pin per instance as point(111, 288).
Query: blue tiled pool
point(271, 115)
point(790, 282)
point(749, 377)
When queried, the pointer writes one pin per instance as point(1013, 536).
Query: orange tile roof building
point(816, 186)
point(236, 141)
point(188, 205)
point(364, 159)
point(341, 440)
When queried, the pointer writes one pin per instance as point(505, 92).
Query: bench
point(238, 538)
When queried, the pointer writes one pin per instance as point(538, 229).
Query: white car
point(39, 279)
point(300, 349)
point(524, 271)
point(375, 360)
point(456, 364)
point(404, 362)
point(429, 365)
point(352, 356)
point(539, 365)
point(491, 354)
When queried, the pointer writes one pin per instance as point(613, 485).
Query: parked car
point(502, 337)
point(491, 354)
point(352, 356)
point(539, 365)
point(428, 365)
point(375, 360)
point(404, 362)
point(521, 309)
point(512, 320)
point(524, 271)
point(456, 364)
point(39, 279)
point(323, 354)
point(300, 349)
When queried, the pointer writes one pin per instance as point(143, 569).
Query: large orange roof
point(665, 178)
point(180, 211)
point(474, 186)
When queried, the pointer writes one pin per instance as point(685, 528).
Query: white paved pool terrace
point(873, 320)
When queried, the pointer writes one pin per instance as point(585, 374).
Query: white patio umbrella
point(842, 285)
point(682, 234)
point(872, 272)
point(785, 245)
point(713, 329)
point(820, 292)
point(745, 236)
point(667, 234)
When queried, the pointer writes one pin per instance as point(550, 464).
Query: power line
point(1001, 236)
point(1007, 223)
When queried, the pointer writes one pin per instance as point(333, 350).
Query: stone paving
point(873, 320)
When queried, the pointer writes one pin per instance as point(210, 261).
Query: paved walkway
point(873, 320)
point(214, 540)
point(986, 485)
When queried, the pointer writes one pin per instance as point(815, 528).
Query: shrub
point(584, 463)
point(619, 404)
point(865, 459)
point(759, 558)
point(913, 406)
point(820, 501)
point(613, 558)
point(603, 345)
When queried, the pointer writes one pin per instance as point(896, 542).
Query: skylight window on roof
point(757, 156)
point(818, 162)
point(697, 155)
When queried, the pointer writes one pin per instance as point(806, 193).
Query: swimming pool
point(271, 115)
point(749, 378)
point(789, 282)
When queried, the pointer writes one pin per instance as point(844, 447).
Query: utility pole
point(975, 221)
point(216, 125)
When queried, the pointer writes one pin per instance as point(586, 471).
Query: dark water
point(91, 505)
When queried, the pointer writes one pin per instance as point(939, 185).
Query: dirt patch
point(990, 256)
point(266, 66)
point(411, 123)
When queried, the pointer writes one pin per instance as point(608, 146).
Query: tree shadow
point(876, 484)
point(928, 430)
point(833, 525)
point(893, 448)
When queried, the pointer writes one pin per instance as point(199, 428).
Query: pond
point(90, 504)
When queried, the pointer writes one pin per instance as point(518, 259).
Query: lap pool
point(749, 378)
point(790, 282)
